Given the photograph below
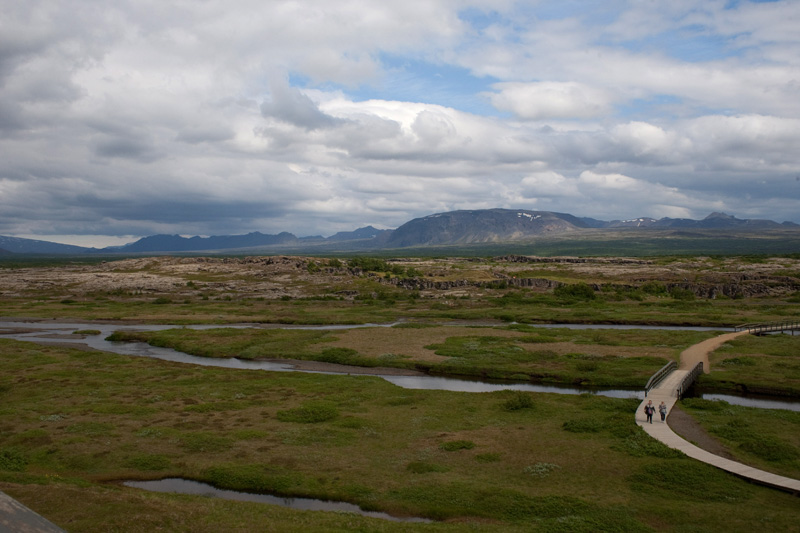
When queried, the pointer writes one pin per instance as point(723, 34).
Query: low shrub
point(456, 445)
point(423, 467)
point(12, 460)
point(251, 478)
point(310, 413)
point(149, 462)
point(705, 405)
point(518, 400)
point(681, 294)
point(654, 288)
point(577, 291)
point(583, 425)
point(340, 356)
point(205, 442)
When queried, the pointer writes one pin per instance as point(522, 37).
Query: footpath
point(16, 518)
point(666, 392)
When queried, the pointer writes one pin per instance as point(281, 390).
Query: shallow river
point(61, 332)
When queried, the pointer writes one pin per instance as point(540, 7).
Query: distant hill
point(16, 245)
point(467, 227)
point(712, 221)
point(367, 232)
point(176, 243)
point(481, 226)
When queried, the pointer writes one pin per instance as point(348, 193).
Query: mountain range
point(473, 227)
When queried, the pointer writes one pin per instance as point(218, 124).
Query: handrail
point(656, 378)
point(755, 329)
point(688, 379)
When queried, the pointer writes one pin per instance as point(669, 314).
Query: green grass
point(766, 364)
point(526, 356)
point(71, 421)
point(766, 438)
point(503, 357)
point(391, 304)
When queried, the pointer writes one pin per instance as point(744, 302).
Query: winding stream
point(62, 332)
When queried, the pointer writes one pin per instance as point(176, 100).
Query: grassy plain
point(768, 439)
point(74, 423)
point(765, 364)
point(591, 357)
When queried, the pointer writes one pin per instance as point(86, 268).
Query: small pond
point(187, 486)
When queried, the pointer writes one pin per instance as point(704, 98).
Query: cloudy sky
point(126, 118)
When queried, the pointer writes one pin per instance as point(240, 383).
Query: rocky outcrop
point(571, 260)
point(699, 290)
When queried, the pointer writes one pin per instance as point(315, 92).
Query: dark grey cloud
point(290, 105)
point(204, 134)
point(126, 148)
point(11, 117)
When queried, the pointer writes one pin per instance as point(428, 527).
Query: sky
point(126, 118)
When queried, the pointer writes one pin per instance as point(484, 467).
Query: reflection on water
point(749, 401)
point(466, 385)
point(186, 486)
point(62, 333)
point(141, 349)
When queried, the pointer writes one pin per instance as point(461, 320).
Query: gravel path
point(699, 352)
point(687, 427)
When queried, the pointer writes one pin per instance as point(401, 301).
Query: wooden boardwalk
point(16, 518)
point(666, 391)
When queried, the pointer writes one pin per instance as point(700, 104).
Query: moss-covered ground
point(73, 423)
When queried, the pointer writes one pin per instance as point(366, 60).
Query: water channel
point(62, 332)
point(188, 486)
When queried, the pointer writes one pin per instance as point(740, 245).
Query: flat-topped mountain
point(481, 226)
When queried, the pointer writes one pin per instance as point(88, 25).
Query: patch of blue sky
point(480, 19)
point(524, 16)
point(652, 109)
point(593, 13)
point(413, 80)
point(666, 107)
point(689, 43)
point(733, 4)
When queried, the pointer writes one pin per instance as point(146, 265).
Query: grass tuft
point(310, 413)
point(457, 445)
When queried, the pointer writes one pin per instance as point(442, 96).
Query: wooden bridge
point(770, 327)
point(669, 384)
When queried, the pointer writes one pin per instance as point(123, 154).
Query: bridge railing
point(770, 327)
point(656, 378)
point(688, 379)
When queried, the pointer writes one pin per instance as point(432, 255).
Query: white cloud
point(213, 117)
point(547, 100)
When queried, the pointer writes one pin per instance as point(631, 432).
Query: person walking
point(649, 410)
point(663, 410)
